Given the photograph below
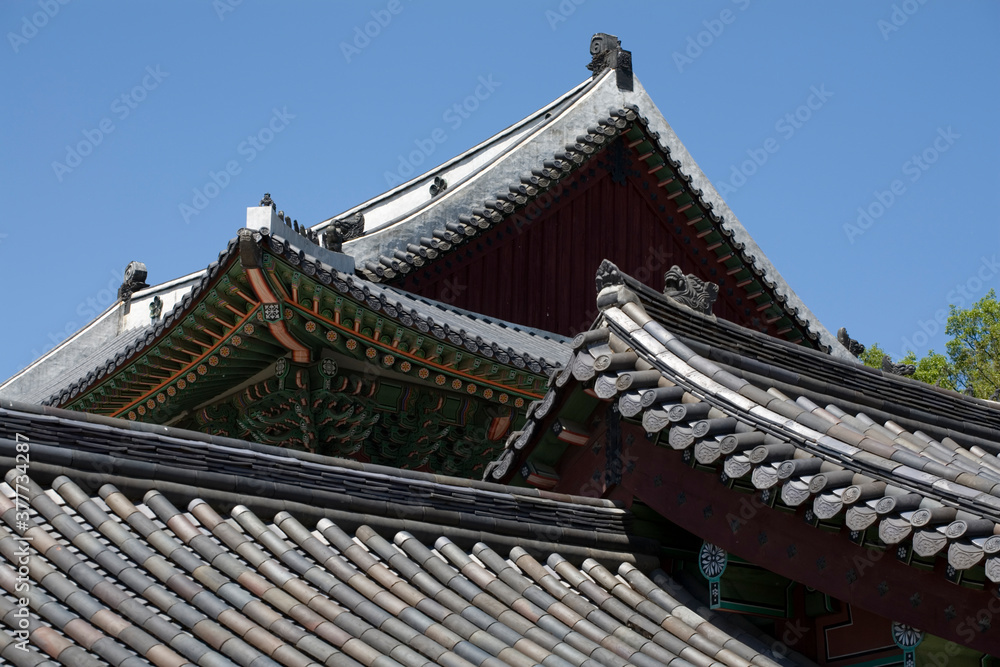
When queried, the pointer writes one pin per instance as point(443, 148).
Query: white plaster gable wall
point(89, 346)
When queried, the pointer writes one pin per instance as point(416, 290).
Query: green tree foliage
point(973, 361)
point(932, 369)
point(974, 350)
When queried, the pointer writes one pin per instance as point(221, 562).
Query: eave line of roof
point(509, 342)
point(850, 466)
point(895, 397)
point(715, 389)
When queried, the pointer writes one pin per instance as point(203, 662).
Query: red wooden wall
point(537, 267)
point(867, 578)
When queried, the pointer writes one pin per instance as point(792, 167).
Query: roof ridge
point(544, 113)
point(410, 244)
point(19, 417)
point(482, 217)
point(760, 411)
point(841, 368)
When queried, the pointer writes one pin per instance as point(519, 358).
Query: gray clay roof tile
point(255, 583)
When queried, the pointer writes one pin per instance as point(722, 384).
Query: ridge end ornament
point(249, 248)
point(608, 275)
point(850, 344)
point(689, 290)
point(606, 53)
point(342, 230)
point(897, 369)
point(133, 281)
point(611, 287)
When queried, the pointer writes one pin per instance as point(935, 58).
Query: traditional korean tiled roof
point(276, 345)
point(915, 464)
point(307, 560)
point(91, 359)
point(417, 223)
point(110, 333)
point(422, 221)
point(539, 352)
point(880, 393)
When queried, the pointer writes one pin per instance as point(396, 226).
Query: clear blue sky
point(899, 80)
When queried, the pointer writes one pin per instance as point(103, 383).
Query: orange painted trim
point(262, 288)
point(424, 362)
point(212, 334)
point(172, 358)
point(188, 367)
point(236, 311)
point(277, 284)
point(150, 389)
point(300, 353)
point(246, 298)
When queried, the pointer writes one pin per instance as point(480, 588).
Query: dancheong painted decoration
point(547, 404)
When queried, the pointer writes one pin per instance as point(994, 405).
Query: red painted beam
point(785, 544)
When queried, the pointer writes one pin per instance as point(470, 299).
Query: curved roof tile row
point(935, 493)
point(781, 364)
point(507, 343)
point(111, 578)
point(89, 444)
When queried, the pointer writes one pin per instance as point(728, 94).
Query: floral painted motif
point(712, 560)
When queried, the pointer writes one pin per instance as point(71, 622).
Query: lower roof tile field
point(143, 456)
point(94, 579)
point(103, 568)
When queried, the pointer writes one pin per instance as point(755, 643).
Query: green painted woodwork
point(353, 415)
point(936, 651)
point(416, 402)
point(751, 589)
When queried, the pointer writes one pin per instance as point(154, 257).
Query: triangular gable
point(482, 210)
point(429, 234)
